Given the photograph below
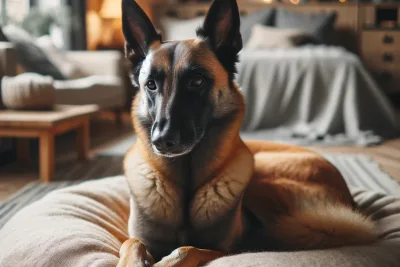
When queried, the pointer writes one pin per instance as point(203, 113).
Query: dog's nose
point(164, 137)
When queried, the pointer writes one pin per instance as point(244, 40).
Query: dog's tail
point(323, 225)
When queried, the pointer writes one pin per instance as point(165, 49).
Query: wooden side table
point(45, 125)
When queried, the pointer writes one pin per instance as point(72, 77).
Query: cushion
point(106, 91)
point(180, 29)
point(263, 37)
point(320, 25)
point(263, 17)
point(30, 56)
point(85, 225)
point(57, 56)
point(27, 91)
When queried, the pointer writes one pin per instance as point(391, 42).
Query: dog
point(198, 192)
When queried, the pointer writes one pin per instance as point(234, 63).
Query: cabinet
point(380, 44)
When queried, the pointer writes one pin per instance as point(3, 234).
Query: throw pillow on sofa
point(321, 25)
point(30, 56)
point(58, 57)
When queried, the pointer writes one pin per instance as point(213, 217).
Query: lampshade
point(111, 9)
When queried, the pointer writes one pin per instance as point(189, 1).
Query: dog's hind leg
point(189, 257)
point(133, 253)
point(296, 216)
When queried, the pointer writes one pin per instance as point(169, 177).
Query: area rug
point(359, 171)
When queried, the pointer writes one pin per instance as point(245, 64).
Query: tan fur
point(300, 198)
point(159, 197)
point(303, 199)
point(323, 225)
point(222, 193)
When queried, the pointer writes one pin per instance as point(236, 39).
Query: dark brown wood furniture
point(380, 43)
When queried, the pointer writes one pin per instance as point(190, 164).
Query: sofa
point(105, 83)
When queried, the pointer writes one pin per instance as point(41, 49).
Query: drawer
point(384, 59)
point(389, 79)
point(373, 41)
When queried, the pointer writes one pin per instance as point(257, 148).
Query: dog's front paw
point(188, 257)
point(133, 253)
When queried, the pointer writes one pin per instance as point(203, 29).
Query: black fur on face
point(182, 82)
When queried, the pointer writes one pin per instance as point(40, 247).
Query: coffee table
point(45, 125)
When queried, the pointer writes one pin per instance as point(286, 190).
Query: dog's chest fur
point(166, 217)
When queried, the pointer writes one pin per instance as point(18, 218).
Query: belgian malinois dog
point(199, 192)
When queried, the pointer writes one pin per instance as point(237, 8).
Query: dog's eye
point(151, 85)
point(196, 82)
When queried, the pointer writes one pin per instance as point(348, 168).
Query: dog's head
point(185, 86)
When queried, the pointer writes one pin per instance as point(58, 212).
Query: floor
point(14, 176)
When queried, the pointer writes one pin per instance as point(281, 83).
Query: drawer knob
point(387, 57)
point(200, 13)
point(388, 39)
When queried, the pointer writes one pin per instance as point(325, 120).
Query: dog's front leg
point(133, 253)
point(189, 257)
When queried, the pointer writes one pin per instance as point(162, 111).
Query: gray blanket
point(313, 94)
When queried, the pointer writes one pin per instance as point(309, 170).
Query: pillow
point(320, 25)
point(180, 29)
point(264, 17)
point(58, 57)
point(85, 225)
point(30, 56)
point(27, 91)
point(270, 37)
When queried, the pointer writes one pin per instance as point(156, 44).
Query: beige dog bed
point(85, 225)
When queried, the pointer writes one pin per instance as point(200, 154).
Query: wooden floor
point(14, 177)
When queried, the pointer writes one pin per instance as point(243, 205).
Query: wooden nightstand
point(381, 52)
point(380, 43)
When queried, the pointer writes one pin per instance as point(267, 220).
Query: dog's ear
point(138, 30)
point(221, 29)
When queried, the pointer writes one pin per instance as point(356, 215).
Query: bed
point(316, 93)
point(313, 95)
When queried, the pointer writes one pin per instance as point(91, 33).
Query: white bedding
point(314, 93)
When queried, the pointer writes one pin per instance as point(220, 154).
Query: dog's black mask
point(184, 85)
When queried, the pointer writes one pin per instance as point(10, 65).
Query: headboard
point(346, 26)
